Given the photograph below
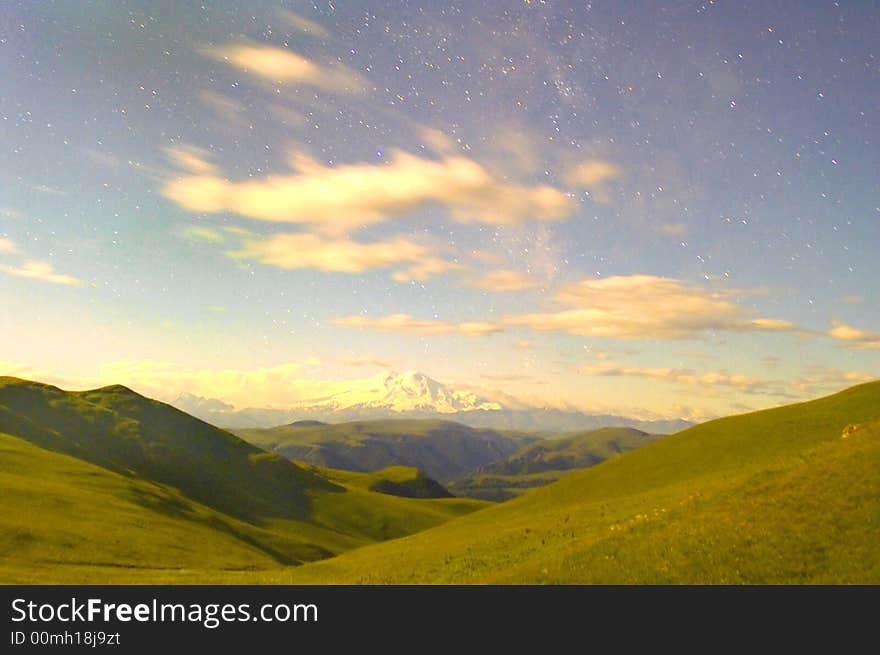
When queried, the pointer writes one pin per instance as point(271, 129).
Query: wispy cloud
point(823, 380)
point(503, 280)
point(283, 66)
point(645, 307)
point(406, 324)
point(191, 158)
point(302, 23)
point(7, 245)
point(688, 377)
point(367, 362)
point(341, 198)
point(593, 174)
point(856, 338)
point(344, 255)
point(39, 270)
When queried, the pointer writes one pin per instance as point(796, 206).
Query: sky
point(663, 209)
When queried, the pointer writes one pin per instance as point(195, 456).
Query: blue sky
point(665, 208)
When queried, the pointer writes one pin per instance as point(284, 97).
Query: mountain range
point(412, 394)
point(108, 486)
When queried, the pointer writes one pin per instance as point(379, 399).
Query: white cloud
point(191, 159)
point(858, 339)
point(686, 376)
point(503, 280)
point(282, 66)
point(39, 270)
point(302, 23)
point(343, 255)
point(644, 307)
point(341, 198)
point(406, 324)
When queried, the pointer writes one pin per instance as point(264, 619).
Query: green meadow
point(146, 494)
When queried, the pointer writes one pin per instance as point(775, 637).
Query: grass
point(778, 496)
point(545, 461)
point(103, 485)
point(769, 497)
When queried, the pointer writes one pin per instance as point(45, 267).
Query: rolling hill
point(443, 449)
point(108, 481)
point(547, 460)
point(787, 495)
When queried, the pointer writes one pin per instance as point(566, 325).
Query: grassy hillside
point(443, 449)
point(403, 481)
point(105, 483)
point(772, 496)
point(546, 461)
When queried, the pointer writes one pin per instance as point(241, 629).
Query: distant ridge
point(414, 395)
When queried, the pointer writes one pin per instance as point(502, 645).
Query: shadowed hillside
point(547, 460)
point(443, 449)
point(108, 478)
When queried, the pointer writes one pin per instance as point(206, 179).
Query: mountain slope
point(443, 449)
point(108, 478)
point(546, 461)
point(771, 496)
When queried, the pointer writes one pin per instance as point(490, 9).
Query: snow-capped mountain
point(410, 391)
point(412, 394)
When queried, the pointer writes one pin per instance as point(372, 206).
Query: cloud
point(593, 175)
point(858, 339)
point(191, 159)
point(685, 376)
point(203, 234)
point(268, 386)
point(7, 246)
point(358, 362)
point(282, 66)
point(340, 198)
point(673, 229)
point(824, 380)
point(503, 280)
point(406, 324)
point(852, 300)
point(343, 255)
point(644, 307)
point(437, 141)
point(39, 270)
point(302, 23)
point(48, 190)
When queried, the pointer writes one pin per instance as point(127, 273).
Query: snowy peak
point(410, 391)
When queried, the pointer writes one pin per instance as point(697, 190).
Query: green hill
point(101, 484)
point(445, 450)
point(777, 496)
point(545, 461)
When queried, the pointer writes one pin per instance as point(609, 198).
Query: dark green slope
point(104, 484)
point(547, 460)
point(445, 450)
point(125, 432)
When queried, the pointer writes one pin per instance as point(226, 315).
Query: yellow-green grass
point(770, 497)
point(65, 520)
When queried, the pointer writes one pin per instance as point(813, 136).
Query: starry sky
point(660, 209)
